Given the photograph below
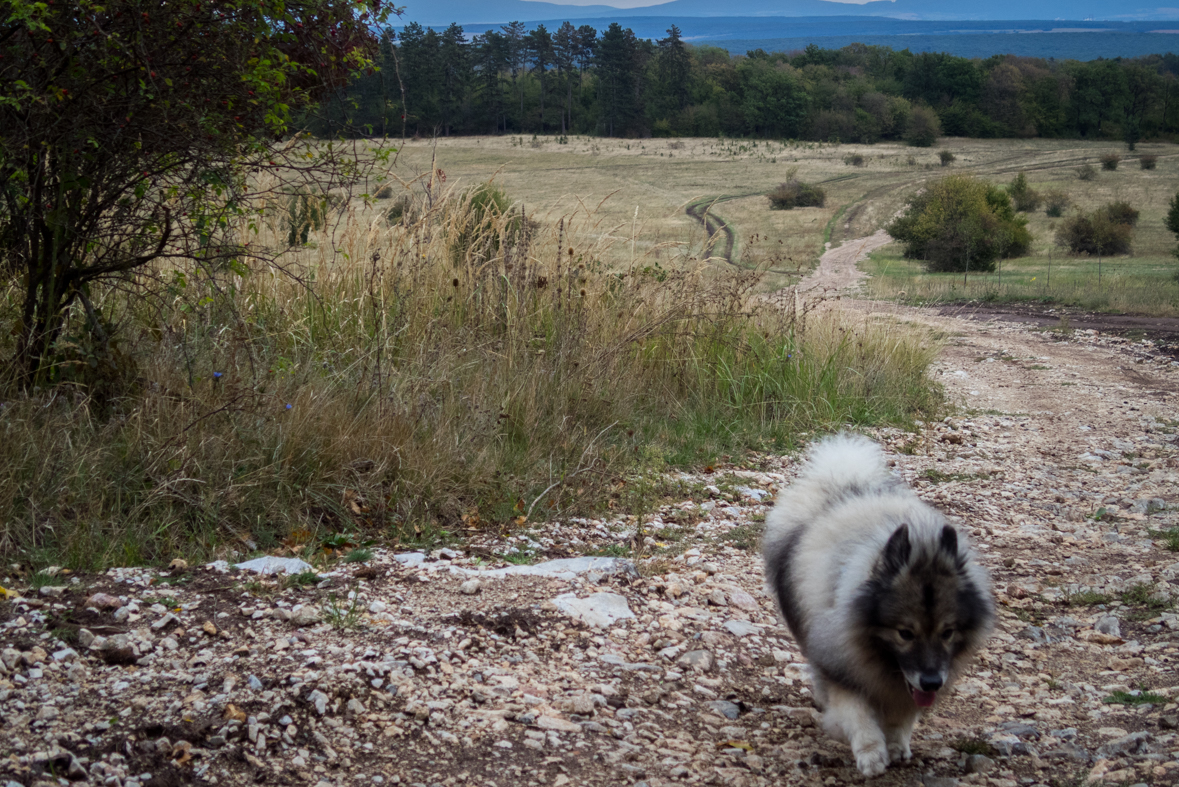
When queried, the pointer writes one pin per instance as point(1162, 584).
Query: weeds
point(1085, 598)
point(460, 361)
point(1148, 161)
point(1169, 537)
point(1110, 161)
point(971, 746)
point(1135, 698)
point(946, 157)
point(342, 617)
point(301, 579)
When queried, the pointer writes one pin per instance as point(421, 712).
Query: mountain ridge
point(444, 12)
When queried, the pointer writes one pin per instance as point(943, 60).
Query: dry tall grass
point(450, 369)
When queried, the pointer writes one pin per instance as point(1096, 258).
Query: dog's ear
point(896, 551)
point(949, 541)
point(949, 545)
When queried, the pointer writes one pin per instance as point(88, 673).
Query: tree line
point(580, 80)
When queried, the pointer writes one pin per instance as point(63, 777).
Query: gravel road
point(670, 667)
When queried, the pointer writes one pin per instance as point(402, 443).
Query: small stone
point(377, 607)
point(470, 587)
point(600, 610)
point(717, 598)
point(730, 710)
point(559, 725)
point(700, 660)
point(255, 684)
point(102, 601)
point(1109, 625)
point(354, 707)
point(979, 763)
point(742, 600)
point(304, 615)
point(85, 638)
point(178, 564)
point(53, 591)
point(741, 628)
point(209, 628)
point(1169, 722)
point(319, 700)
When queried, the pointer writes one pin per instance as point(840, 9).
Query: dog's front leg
point(850, 719)
point(898, 738)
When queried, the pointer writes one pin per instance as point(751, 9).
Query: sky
point(645, 3)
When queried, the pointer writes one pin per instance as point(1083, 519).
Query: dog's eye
point(906, 635)
point(947, 634)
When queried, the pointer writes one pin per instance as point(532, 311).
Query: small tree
point(923, 127)
point(947, 158)
point(1107, 230)
point(1055, 201)
point(1025, 198)
point(796, 194)
point(131, 132)
point(1173, 219)
point(960, 223)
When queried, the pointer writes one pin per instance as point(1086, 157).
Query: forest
point(579, 80)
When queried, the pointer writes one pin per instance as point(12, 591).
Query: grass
point(342, 616)
point(1086, 598)
point(416, 377)
point(970, 746)
point(1143, 282)
point(1169, 537)
point(938, 477)
point(1141, 697)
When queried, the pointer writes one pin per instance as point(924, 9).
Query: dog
point(884, 596)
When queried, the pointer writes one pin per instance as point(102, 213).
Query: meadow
point(648, 184)
point(446, 356)
point(418, 367)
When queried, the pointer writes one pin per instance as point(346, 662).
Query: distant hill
point(443, 12)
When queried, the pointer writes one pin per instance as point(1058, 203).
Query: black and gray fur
point(882, 594)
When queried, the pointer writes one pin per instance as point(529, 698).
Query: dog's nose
point(931, 681)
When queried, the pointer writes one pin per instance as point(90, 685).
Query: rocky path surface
point(458, 668)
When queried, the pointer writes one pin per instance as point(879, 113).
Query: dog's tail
point(845, 463)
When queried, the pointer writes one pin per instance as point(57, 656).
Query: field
point(642, 188)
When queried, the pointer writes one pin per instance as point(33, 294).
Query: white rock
point(553, 723)
point(470, 587)
point(600, 610)
point(275, 565)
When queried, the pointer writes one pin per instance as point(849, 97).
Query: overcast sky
point(644, 3)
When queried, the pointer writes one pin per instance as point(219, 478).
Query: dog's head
point(926, 608)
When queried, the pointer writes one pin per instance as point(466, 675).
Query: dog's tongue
point(924, 699)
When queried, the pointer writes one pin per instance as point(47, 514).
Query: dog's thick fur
point(883, 596)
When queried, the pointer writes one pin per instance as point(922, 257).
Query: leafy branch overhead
point(130, 129)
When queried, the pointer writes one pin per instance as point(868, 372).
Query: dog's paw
point(872, 762)
point(899, 750)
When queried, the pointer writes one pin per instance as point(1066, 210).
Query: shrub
point(1055, 201)
point(1109, 161)
point(1086, 172)
point(946, 157)
point(959, 222)
point(1025, 198)
point(1107, 230)
point(1173, 218)
point(1121, 213)
point(923, 127)
point(796, 194)
point(1148, 161)
point(911, 161)
point(384, 192)
point(854, 160)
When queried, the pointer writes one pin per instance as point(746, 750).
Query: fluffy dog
point(882, 594)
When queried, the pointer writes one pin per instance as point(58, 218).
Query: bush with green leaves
point(1107, 230)
point(1023, 196)
point(1086, 172)
point(1173, 219)
point(796, 194)
point(961, 223)
point(1055, 201)
point(923, 127)
point(946, 157)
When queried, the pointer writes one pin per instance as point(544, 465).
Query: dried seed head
point(570, 251)
point(583, 292)
point(454, 283)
